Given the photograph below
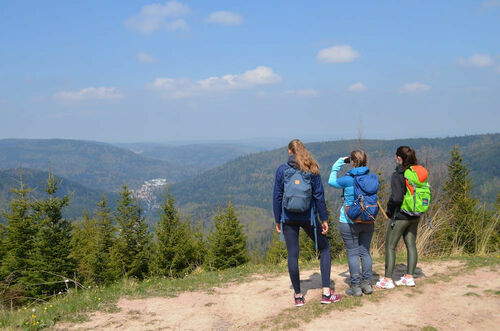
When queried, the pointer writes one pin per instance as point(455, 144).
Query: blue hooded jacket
point(318, 196)
point(347, 183)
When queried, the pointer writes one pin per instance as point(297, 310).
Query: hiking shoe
point(382, 283)
point(366, 287)
point(354, 291)
point(300, 301)
point(405, 281)
point(332, 297)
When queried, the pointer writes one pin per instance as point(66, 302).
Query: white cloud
point(153, 17)
point(225, 18)
point(309, 92)
point(357, 87)
point(476, 60)
point(89, 93)
point(183, 87)
point(178, 25)
point(144, 57)
point(337, 54)
point(490, 4)
point(415, 87)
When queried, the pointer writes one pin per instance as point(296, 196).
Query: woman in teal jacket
point(357, 237)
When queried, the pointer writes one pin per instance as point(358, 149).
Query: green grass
point(429, 328)
point(75, 306)
point(471, 294)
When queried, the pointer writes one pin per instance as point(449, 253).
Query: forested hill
point(82, 198)
point(199, 157)
point(92, 164)
point(249, 180)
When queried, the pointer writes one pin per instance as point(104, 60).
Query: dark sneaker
point(299, 301)
point(366, 288)
point(332, 297)
point(354, 291)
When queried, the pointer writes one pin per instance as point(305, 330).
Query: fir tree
point(227, 241)
point(52, 244)
point(175, 247)
point(85, 249)
point(105, 239)
point(459, 204)
point(20, 229)
point(130, 253)
point(276, 253)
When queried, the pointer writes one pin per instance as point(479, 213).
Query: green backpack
point(417, 198)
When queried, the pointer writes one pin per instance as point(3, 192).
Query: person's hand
point(324, 227)
point(278, 227)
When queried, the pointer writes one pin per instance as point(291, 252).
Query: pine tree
point(85, 249)
point(459, 204)
point(105, 239)
point(17, 264)
point(52, 243)
point(175, 247)
point(276, 253)
point(227, 241)
point(130, 252)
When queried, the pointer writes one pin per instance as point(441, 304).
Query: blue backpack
point(365, 207)
point(297, 196)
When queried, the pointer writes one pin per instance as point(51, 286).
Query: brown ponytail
point(359, 158)
point(304, 159)
point(407, 155)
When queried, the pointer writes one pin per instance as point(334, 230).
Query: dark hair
point(359, 158)
point(304, 159)
point(407, 155)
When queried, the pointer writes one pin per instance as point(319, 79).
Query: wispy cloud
point(154, 17)
point(415, 87)
point(144, 57)
point(337, 54)
point(357, 87)
point(490, 4)
point(89, 93)
point(184, 88)
point(476, 60)
point(309, 92)
point(225, 18)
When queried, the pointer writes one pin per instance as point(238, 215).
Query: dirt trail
point(469, 301)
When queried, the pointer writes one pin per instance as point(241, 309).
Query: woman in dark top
point(290, 223)
point(401, 224)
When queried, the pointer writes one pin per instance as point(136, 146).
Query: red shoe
point(332, 297)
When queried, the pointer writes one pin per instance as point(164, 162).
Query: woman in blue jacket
point(357, 237)
point(301, 159)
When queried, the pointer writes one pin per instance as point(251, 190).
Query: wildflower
point(66, 280)
point(50, 306)
point(33, 310)
point(99, 299)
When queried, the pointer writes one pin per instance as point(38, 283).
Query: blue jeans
point(291, 234)
point(357, 239)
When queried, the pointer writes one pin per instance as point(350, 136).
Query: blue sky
point(138, 71)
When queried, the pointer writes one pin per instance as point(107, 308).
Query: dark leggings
point(291, 234)
point(396, 229)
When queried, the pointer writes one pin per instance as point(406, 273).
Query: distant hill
point(92, 164)
point(82, 198)
point(199, 157)
point(248, 180)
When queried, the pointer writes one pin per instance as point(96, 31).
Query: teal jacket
point(347, 183)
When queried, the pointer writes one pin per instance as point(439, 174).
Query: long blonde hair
point(303, 158)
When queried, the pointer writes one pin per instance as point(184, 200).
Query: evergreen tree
point(276, 253)
point(52, 242)
point(130, 252)
point(227, 241)
point(105, 239)
point(85, 249)
point(175, 247)
point(20, 229)
point(459, 204)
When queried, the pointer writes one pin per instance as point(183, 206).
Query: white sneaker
point(386, 284)
point(405, 281)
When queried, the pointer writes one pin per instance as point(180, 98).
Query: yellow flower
point(99, 299)
point(50, 306)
